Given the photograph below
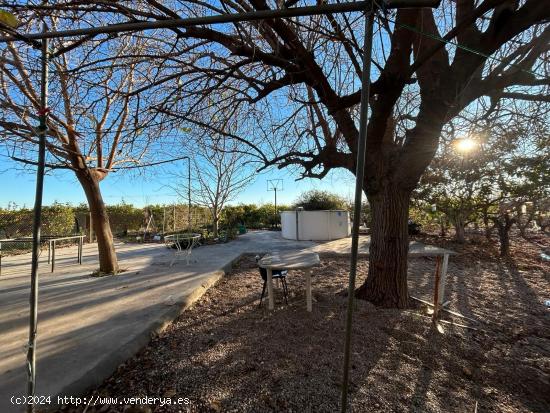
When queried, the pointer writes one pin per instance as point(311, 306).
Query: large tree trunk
point(386, 283)
point(108, 262)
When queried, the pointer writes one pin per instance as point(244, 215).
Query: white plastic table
point(299, 260)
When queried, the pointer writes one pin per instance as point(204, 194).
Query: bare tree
point(220, 172)
point(94, 125)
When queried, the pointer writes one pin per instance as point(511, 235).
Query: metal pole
point(189, 194)
point(359, 178)
point(163, 218)
point(320, 9)
point(53, 255)
point(276, 225)
point(37, 221)
point(81, 243)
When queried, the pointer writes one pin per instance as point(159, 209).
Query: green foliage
point(316, 200)
point(124, 218)
point(507, 170)
point(251, 216)
point(366, 212)
point(423, 215)
point(57, 219)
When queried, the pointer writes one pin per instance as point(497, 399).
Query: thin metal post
point(359, 178)
point(53, 255)
point(80, 248)
point(37, 222)
point(189, 194)
point(276, 225)
point(163, 218)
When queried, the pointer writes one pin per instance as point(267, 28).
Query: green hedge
point(316, 200)
point(252, 216)
point(60, 219)
point(57, 219)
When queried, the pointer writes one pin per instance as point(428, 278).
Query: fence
point(126, 221)
point(16, 226)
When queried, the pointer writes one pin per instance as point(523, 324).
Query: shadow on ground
point(227, 354)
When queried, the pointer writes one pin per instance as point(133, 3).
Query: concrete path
point(88, 326)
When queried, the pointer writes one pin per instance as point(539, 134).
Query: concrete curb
point(108, 364)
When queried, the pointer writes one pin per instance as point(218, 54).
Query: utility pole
point(37, 223)
point(275, 189)
point(275, 185)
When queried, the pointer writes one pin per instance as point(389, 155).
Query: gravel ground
point(227, 354)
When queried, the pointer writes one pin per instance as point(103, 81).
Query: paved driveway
point(88, 326)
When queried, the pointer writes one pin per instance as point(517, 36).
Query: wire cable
point(460, 46)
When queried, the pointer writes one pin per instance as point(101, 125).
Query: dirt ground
point(227, 354)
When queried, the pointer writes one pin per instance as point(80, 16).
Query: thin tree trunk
point(108, 262)
point(486, 224)
point(488, 232)
point(523, 231)
point(386, 283)
point(215, 222)
point(443, 227)
point(504, 225)
point(459, 231)
point(504, 241)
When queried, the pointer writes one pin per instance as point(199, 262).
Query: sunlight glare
point(465, 145)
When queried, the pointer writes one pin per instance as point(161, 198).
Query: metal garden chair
point(276, 275)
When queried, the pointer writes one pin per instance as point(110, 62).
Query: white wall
point(316, 225)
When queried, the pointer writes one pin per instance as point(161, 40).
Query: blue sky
point(152, 187)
